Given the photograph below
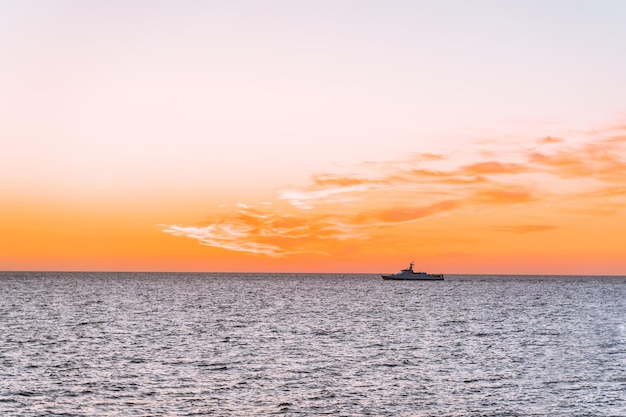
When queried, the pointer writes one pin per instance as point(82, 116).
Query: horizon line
point(301, 273)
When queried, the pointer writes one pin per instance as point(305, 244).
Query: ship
point(409, 275)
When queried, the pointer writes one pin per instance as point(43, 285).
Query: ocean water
point(126, 344)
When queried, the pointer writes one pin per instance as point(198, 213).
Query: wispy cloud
point(380, 197)
point(263, 231)
point(504, 195)
point(550, 139)
point(229, 237)
point(493, 167)
point(602, 160)
point(307, 198)
point(394, 215)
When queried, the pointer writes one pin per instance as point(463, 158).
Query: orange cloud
point(504, 196)
point(493, 167)
point(432, 201)
point(431, 157)
point(405, 214)
point(615, 191)
point(337, 181)
point(602, 160)
point(550, 139)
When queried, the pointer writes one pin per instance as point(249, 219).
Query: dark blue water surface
point(126, 344)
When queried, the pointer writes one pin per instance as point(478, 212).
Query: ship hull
point(410, 278)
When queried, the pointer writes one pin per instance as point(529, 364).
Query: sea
point(217, 344)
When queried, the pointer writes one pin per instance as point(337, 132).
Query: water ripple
point(85, 344)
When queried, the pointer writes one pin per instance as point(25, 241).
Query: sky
point(328, 136)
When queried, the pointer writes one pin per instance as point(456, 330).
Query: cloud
point(306, 199)
point(612, 191)
point(600, 201)
point(382, 198)
point(504, 196)
point(493, 167)
point(329, 180)
point(271, 233)
point(430, 157)
point(225, 237)
point(407, 214)
point(550, 139)
point(602, 160)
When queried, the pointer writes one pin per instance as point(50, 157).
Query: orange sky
point(324, 137)
point(543, 207)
